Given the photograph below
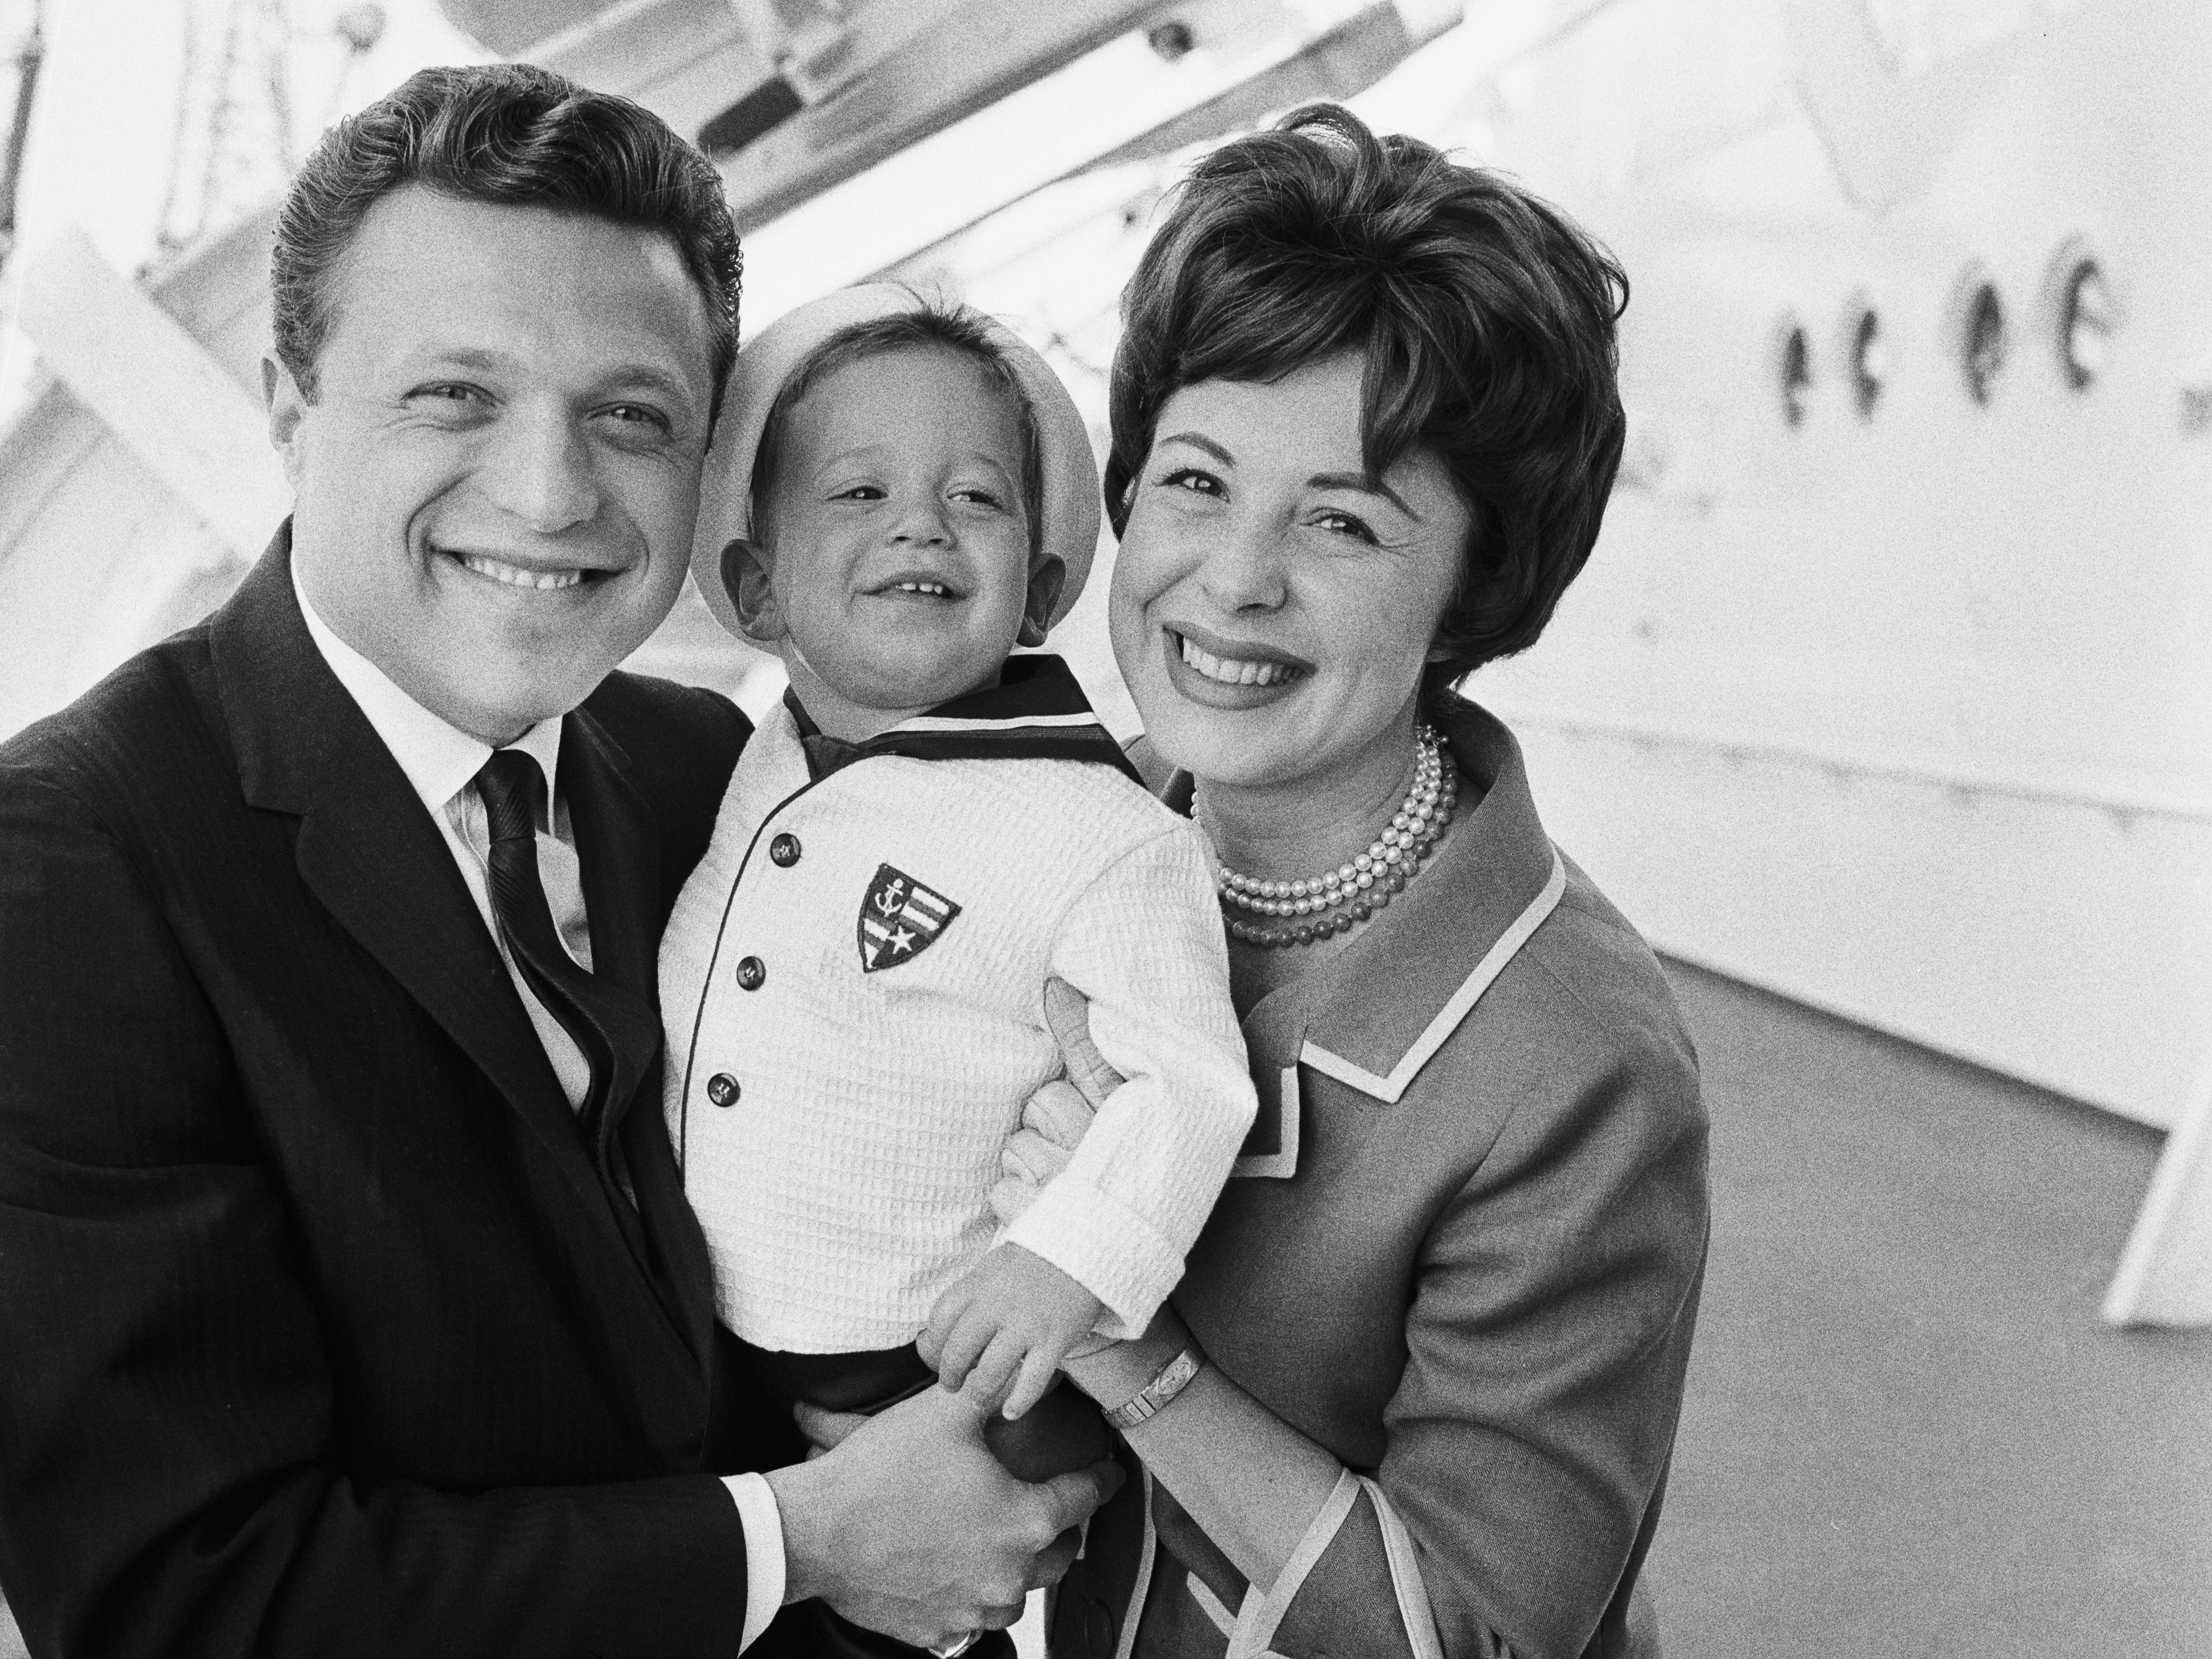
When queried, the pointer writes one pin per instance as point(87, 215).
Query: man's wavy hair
point(509, 133)
point(1485, 318)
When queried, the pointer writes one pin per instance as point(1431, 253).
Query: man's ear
point(748, 578)
point(287, 406)
point(1045, 584)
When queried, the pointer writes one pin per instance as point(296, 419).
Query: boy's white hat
point(1071, 502)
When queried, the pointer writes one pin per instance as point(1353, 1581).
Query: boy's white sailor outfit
point(853, 981)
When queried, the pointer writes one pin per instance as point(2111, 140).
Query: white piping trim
point(1209, 1603)
point(1414, 1609)
point(931, 723)
point(1263, 1610)
point(1284, 1161)
point(1146, 1551)
point(1388, 1089)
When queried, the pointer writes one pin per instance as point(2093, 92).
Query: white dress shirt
point(441, 762)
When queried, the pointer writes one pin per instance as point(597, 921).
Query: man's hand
point(1010, 1319)
point(910, 1527)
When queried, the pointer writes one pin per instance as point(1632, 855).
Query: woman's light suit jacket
point(1462, 1252)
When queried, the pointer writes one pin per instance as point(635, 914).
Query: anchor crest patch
point(900, 918)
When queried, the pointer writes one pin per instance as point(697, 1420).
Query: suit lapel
point(369, 851)
point(618, 846)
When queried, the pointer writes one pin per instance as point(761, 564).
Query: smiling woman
point(1365, 426)
point(1254, 488)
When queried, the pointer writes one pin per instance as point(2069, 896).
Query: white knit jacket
point(843, 1184)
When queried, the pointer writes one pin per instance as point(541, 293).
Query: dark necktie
point(618, 1033)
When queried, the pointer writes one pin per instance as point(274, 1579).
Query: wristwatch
point(1171, 1379)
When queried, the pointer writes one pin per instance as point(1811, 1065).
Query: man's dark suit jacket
point(319, 1333)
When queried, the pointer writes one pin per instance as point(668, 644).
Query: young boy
point(913, 845)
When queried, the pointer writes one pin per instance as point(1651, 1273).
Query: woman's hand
point(1115, 1375)
point(1055, 1118)
point(1067, 1017)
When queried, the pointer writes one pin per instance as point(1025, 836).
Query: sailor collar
point(1378, 1013)
point(1036, 712)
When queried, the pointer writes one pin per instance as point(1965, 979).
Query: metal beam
point(2164, 1276)
point(1121, 93)
point(1340, 64)
point(156, 389)
point(964, 61)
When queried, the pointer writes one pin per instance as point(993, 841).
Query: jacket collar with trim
point(1410, 976)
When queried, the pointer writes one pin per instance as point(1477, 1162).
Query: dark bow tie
point(825, 753)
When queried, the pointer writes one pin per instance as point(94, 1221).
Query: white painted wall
point(1906, 717)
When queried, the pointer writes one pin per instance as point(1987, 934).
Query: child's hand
point(1011, 1319)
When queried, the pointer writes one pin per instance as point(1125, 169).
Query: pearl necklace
point(1338, 901)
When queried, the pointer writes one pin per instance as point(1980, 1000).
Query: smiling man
point(494, 448)
point(352, 1303)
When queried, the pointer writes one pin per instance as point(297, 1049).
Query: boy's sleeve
point(1144, 943)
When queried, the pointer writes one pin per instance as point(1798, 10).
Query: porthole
point(1868, 353)
point(1981, 341)
point(1793, 371)
point(2085, 322)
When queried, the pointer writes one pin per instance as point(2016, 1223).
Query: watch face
point(1173, 1377)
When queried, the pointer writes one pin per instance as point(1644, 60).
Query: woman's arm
point(1252, 1482)
point(1529, 1436)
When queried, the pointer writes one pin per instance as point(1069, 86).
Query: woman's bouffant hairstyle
point(1486, 319)
point(929, 327)
point(509, 133)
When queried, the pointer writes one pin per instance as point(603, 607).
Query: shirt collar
point(1035, 710)
point(439, 759)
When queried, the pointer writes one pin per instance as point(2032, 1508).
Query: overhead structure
point(106, 546)
point(834, 83)
point(29, 57)
point(234, 141)
point(239, 127)
point(157, 390)
point(1187, 77)
point(826, 119)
